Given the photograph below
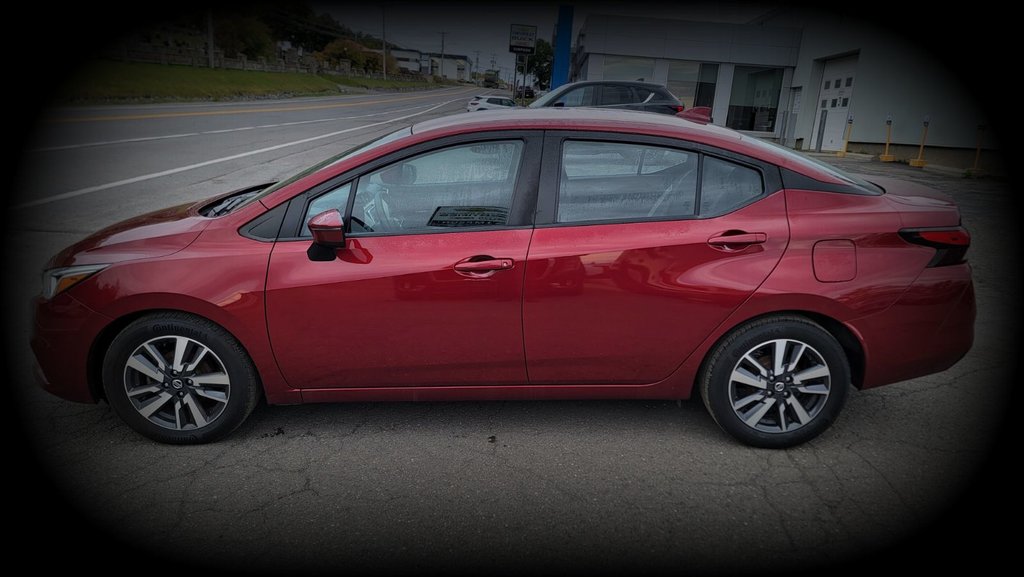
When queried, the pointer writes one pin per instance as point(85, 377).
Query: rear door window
point(616, 95)
point(621, 181)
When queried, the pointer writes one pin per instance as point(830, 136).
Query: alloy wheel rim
point(177, 383)
point(779, 386)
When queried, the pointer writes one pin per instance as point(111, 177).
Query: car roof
point(567, 119)
point(576, 118)
point(611, 120)
point(621, 82)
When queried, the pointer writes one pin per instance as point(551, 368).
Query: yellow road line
point(240, 111)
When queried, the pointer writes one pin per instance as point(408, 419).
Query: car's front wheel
point(180, 379)
point(776, 382)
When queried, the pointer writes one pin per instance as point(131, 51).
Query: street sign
point(522, 39)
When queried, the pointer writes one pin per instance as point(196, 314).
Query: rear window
point(815, 164)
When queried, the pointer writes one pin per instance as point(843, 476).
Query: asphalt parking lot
point(564, 486)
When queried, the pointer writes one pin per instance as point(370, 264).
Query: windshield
point(337, 159)
point(816, 164)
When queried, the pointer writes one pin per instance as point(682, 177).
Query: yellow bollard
point(885, 156)
point(846, 136)
point(919, 162)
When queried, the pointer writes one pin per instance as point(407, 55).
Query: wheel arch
point(847, 338)
point(266, 373)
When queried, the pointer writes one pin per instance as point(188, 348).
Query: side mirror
point(328, 229)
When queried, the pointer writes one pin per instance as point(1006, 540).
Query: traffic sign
point(522, 39)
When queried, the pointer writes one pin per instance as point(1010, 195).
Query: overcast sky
point(484, 25)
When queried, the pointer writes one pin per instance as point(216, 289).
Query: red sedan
point(537, 254)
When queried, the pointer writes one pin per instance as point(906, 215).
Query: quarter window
point(725, 186)
point(607, 180)
point(459, 187)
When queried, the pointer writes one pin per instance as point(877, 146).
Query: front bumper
point(63, 333)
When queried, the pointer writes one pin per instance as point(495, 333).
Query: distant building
point(453, 67)
point(793, 76)
point(408, 60)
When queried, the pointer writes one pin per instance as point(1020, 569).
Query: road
point(560, 486)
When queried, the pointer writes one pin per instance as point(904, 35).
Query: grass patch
point(106, 81)
point(377, 83)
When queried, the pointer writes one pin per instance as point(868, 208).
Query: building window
point(706, 85)
point(748, 111)
point(846, 102)
point(627, 68)
point(834, 101)
point(828, 84)
point(693, 83)
point(849, 81)
point(824, 103)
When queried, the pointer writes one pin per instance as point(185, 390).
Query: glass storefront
point(693, 83)
point(628, 68)
point(754, 101)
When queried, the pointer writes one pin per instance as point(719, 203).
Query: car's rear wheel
point(776, 382)
point(180, 379)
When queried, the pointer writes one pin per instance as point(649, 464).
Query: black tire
point(721, 388)
point(190, 406)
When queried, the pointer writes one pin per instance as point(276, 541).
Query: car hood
point(152, 235)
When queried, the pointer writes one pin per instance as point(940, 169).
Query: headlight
point(58, 280)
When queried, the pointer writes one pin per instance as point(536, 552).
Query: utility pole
point(384, 38)
point(476, 67)
point(209, 37)
point(443, 34)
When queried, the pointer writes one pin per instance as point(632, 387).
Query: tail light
point(950, 244)
point(680, 108)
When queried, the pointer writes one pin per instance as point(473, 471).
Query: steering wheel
point(384, 211)
point(362, 224)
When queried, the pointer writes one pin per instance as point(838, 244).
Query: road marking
point(151, 176)
point(184, 134)
point(239, 111)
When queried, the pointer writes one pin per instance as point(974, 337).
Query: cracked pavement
point(597, 486)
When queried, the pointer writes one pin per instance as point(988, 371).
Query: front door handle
point(482, 266)
point(737, 240)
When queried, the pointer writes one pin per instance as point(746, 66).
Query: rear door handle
point(737, 240)
point(482, 266)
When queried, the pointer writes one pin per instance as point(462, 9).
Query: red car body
point(613, 310)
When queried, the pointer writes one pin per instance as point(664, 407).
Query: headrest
point(399, 174)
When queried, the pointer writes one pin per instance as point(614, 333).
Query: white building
point(408, 60)
point(793, 76)
point(451, 66)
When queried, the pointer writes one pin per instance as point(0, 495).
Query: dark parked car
point(641, 96)
point(518, 254)
point(525, 92)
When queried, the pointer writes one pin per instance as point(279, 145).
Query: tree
point(345, 49)
point(237, 34)
point(540, 63)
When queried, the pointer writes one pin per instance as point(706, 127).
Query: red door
point(411, 300)
point(394, 311)
point(627, 302)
